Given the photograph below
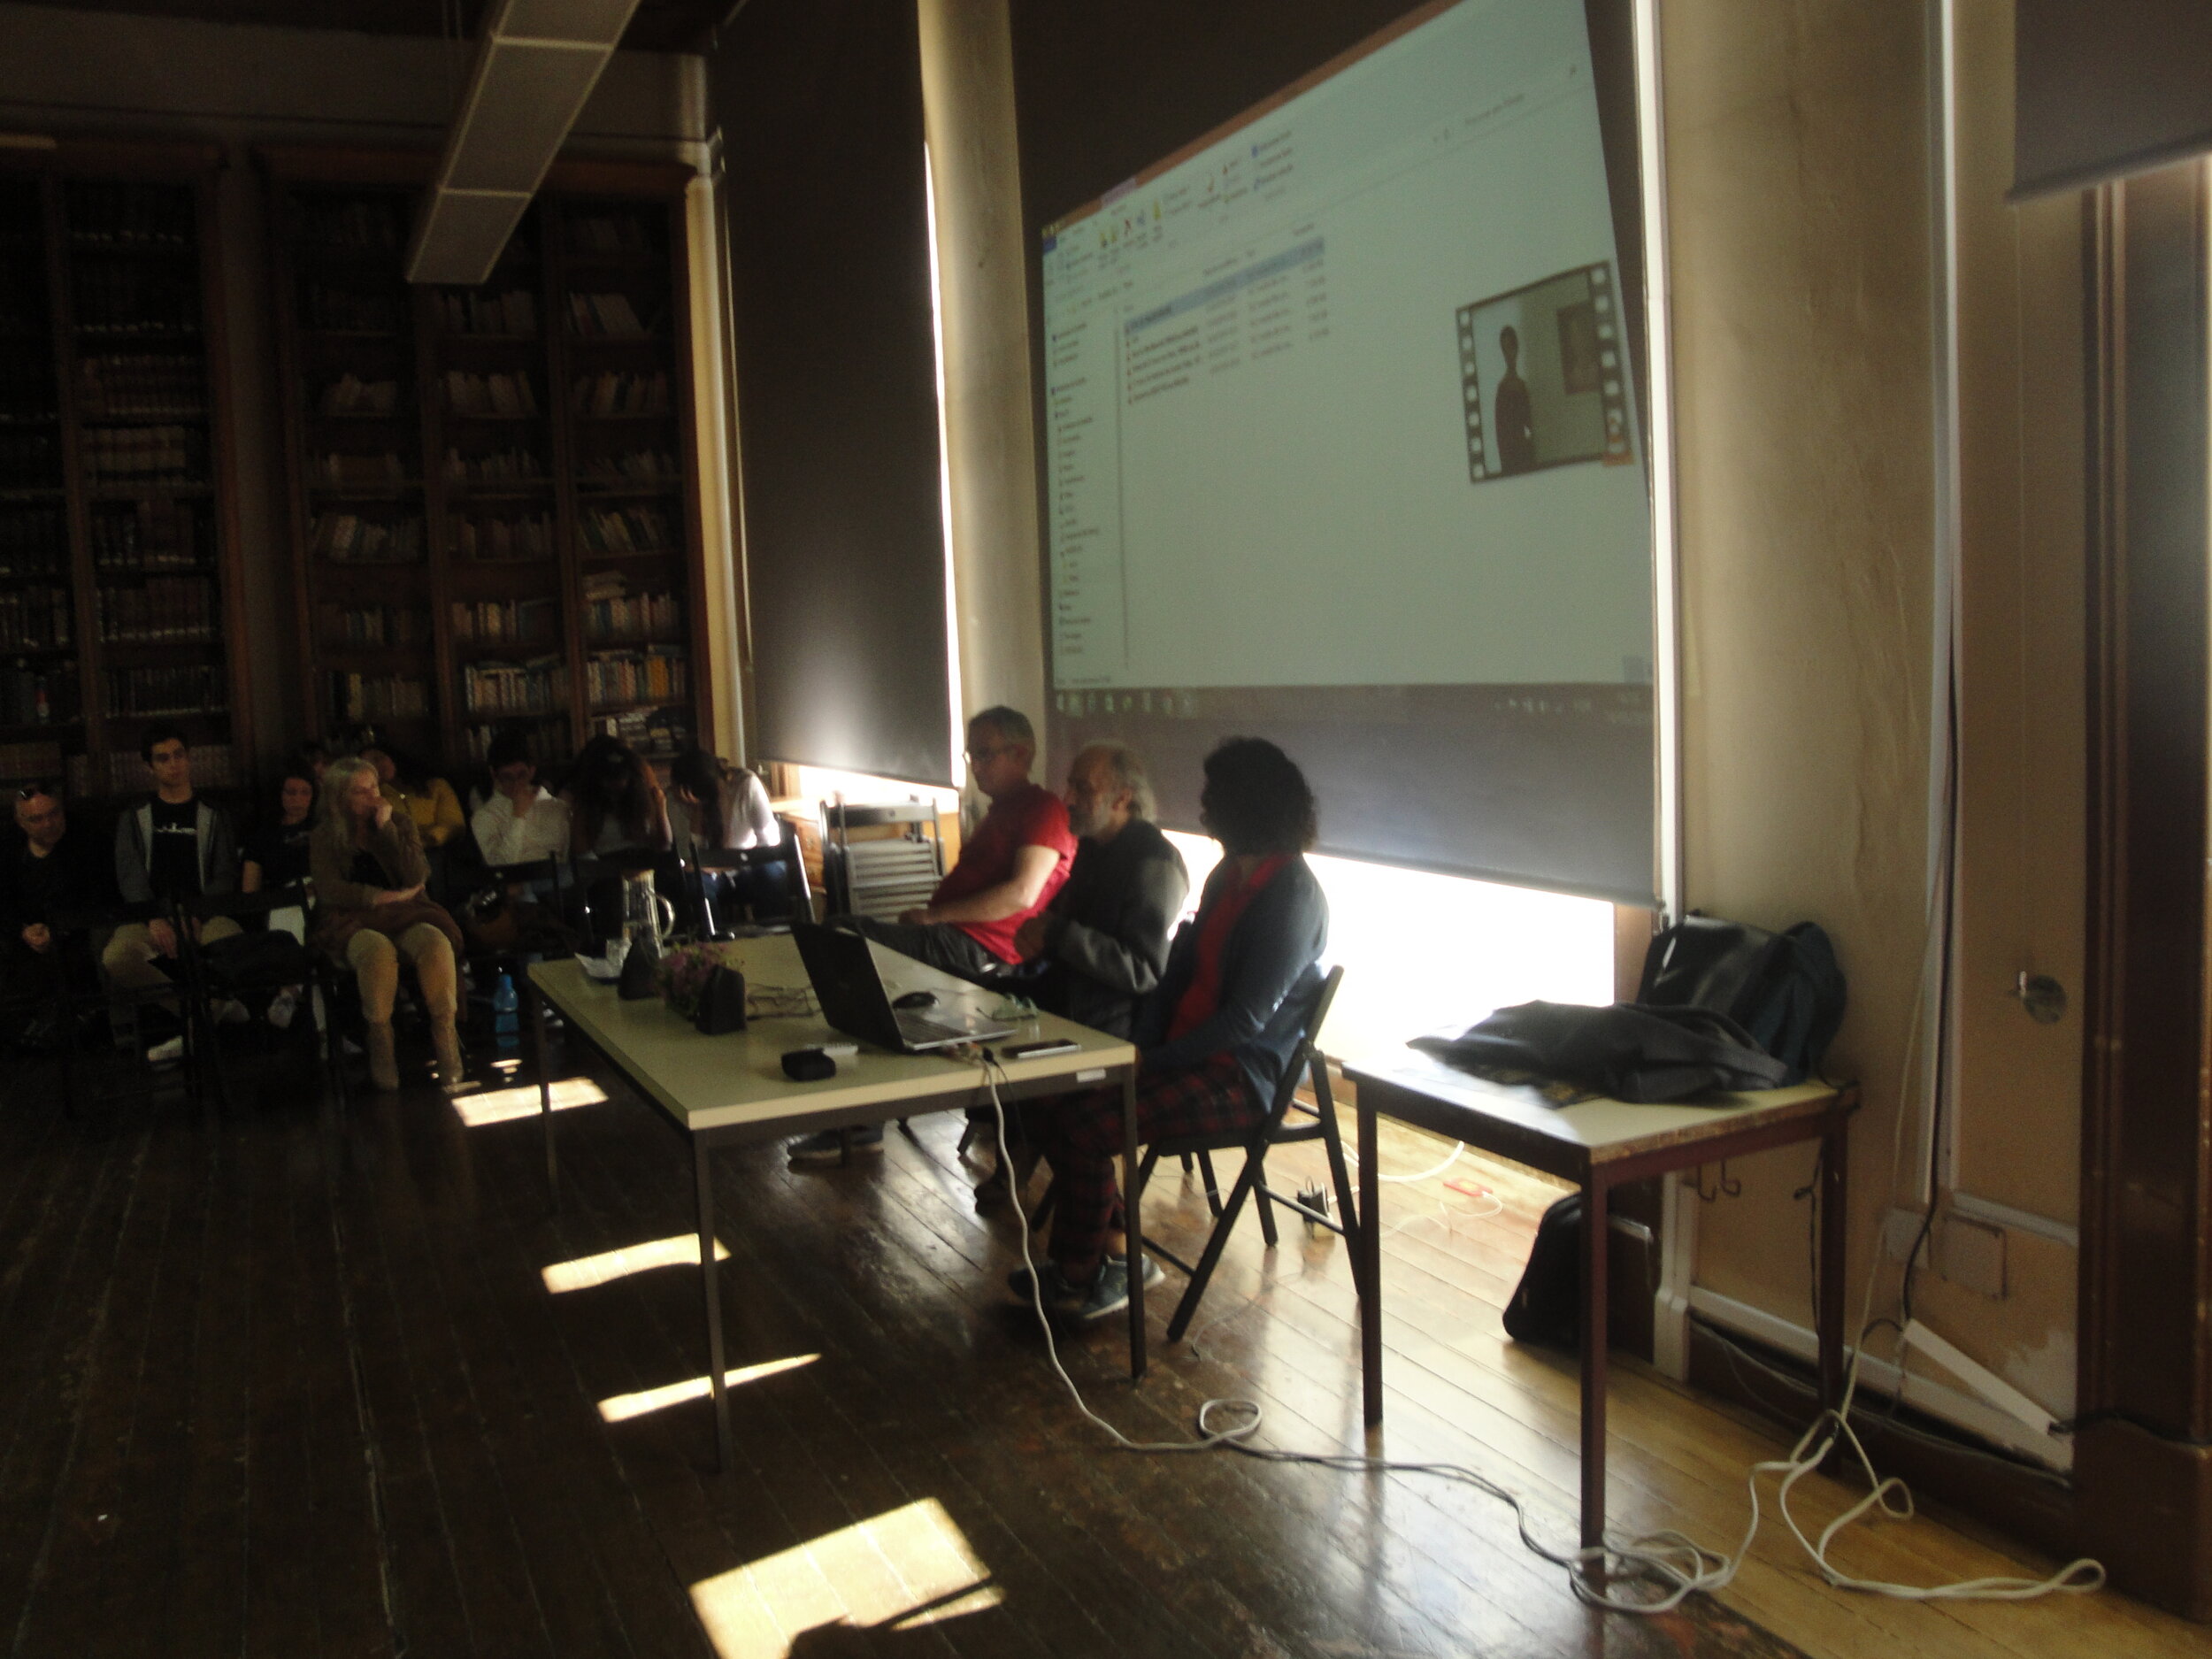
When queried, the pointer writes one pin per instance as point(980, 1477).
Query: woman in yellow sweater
point(413, 788)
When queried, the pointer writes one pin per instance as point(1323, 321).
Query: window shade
point(2107, 86)
point(820, 108)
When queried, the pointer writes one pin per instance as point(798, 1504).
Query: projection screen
point(1343, 446)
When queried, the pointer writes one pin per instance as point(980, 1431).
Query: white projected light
point(1355, 375)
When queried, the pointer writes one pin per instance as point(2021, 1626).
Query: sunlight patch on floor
point(619, 1408)
point(586, 1271)
point(898, 1571)
point(503, 1105)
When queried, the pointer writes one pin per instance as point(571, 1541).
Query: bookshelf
point(495, 515)
point(119, 543)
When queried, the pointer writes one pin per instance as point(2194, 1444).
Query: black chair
point(767, 869)
point(1288, 1122)
point(83, 988)
point(248, 964)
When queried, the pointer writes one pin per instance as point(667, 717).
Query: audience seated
point(615, 804)
point(170, 847)
point(1008, 870)
point(723, 808)
point(276, 853)
point(518, 821)
point(1213, 1036)
point(408, 784)
point(46, 867)
point(1102, 942)
point(369, 871)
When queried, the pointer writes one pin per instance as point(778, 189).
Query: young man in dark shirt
point(171, 847)
point(46, 869)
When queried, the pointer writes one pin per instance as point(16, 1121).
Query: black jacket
point(1269, 970)
point(77, 873)
point(1106, 929)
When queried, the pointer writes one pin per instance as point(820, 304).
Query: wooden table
point(1598, 1145)
point(731, 1091)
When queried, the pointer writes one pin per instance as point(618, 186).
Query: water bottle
point(506, 1023)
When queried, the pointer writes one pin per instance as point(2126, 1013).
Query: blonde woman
point(369, 869)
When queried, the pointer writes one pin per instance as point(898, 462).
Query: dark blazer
point(1106, 929)
point(1269, 969)
point(83, 870)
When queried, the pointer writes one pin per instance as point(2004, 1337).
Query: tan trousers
point(128, 960)
point(375, 963)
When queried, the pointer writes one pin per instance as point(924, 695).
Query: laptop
point(855, 1001)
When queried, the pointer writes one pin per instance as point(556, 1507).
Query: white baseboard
point(1881, 1377)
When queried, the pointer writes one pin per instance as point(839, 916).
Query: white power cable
point(1677, 1563)
point(1458, 1147)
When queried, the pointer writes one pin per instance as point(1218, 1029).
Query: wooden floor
point(290, 1382)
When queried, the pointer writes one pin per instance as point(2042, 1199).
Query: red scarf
point(1203, 995)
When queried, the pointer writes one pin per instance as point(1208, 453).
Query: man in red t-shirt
point(1008, 871)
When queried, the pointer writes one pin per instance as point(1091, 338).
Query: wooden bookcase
point(120, 588)
point(493, 503)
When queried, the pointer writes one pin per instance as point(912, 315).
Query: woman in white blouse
point(520, 822)
point(723, 808)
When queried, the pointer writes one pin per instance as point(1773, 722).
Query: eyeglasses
point(36, 787)
point(990, 750)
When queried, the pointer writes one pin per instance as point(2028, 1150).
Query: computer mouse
point(914, 999)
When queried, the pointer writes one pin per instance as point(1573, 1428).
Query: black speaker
point(808, 1065)
point(721, 1003)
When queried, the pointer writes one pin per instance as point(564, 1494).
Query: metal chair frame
point(1277, 1129)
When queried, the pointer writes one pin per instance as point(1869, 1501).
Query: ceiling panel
point(660, 25)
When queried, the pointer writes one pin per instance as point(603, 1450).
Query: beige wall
point(968, 103)
point(153, 78)
point(1797, 167)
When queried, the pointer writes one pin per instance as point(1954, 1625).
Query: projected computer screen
point(1341, 445)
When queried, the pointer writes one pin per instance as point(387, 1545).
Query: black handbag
point(1786, 990)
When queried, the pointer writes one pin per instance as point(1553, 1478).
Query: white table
point(731, 1091)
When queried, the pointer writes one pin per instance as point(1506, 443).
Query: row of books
point(21, 763)
point(379, 696)
point(363, 226)
point(500, 540)
point(166, 608)
point(348, 539)
point(622, 616)
point(504, 621)
point(350, 394)
point(29, 459)
point(618, 392)
point(36, 694)
point(142, 384)
point(192, 689)
point(27, 386)
point(351, 310)
point(605, 233)
point(608, 315)
point(146, 535)
point(508, 394)
point(130, 215)
point(658, 671)
point(167, 455)
point(513, 312)
point(537, 687)
point(624, 530)
point(34, 619)
point(545, 742)
point(656, 733)
point(496, 467)
point(131, 299)
point(212, 768)
point(634, 466)
point(359, 469)
point(34, 542)
point(373, 625)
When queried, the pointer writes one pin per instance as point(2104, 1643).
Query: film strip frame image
point(1610, 373)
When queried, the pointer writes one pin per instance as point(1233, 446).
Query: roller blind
point(820, 108)
point(2107, 86)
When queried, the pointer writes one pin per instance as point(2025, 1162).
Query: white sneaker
point(281, 1012)
point(166, 1053)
